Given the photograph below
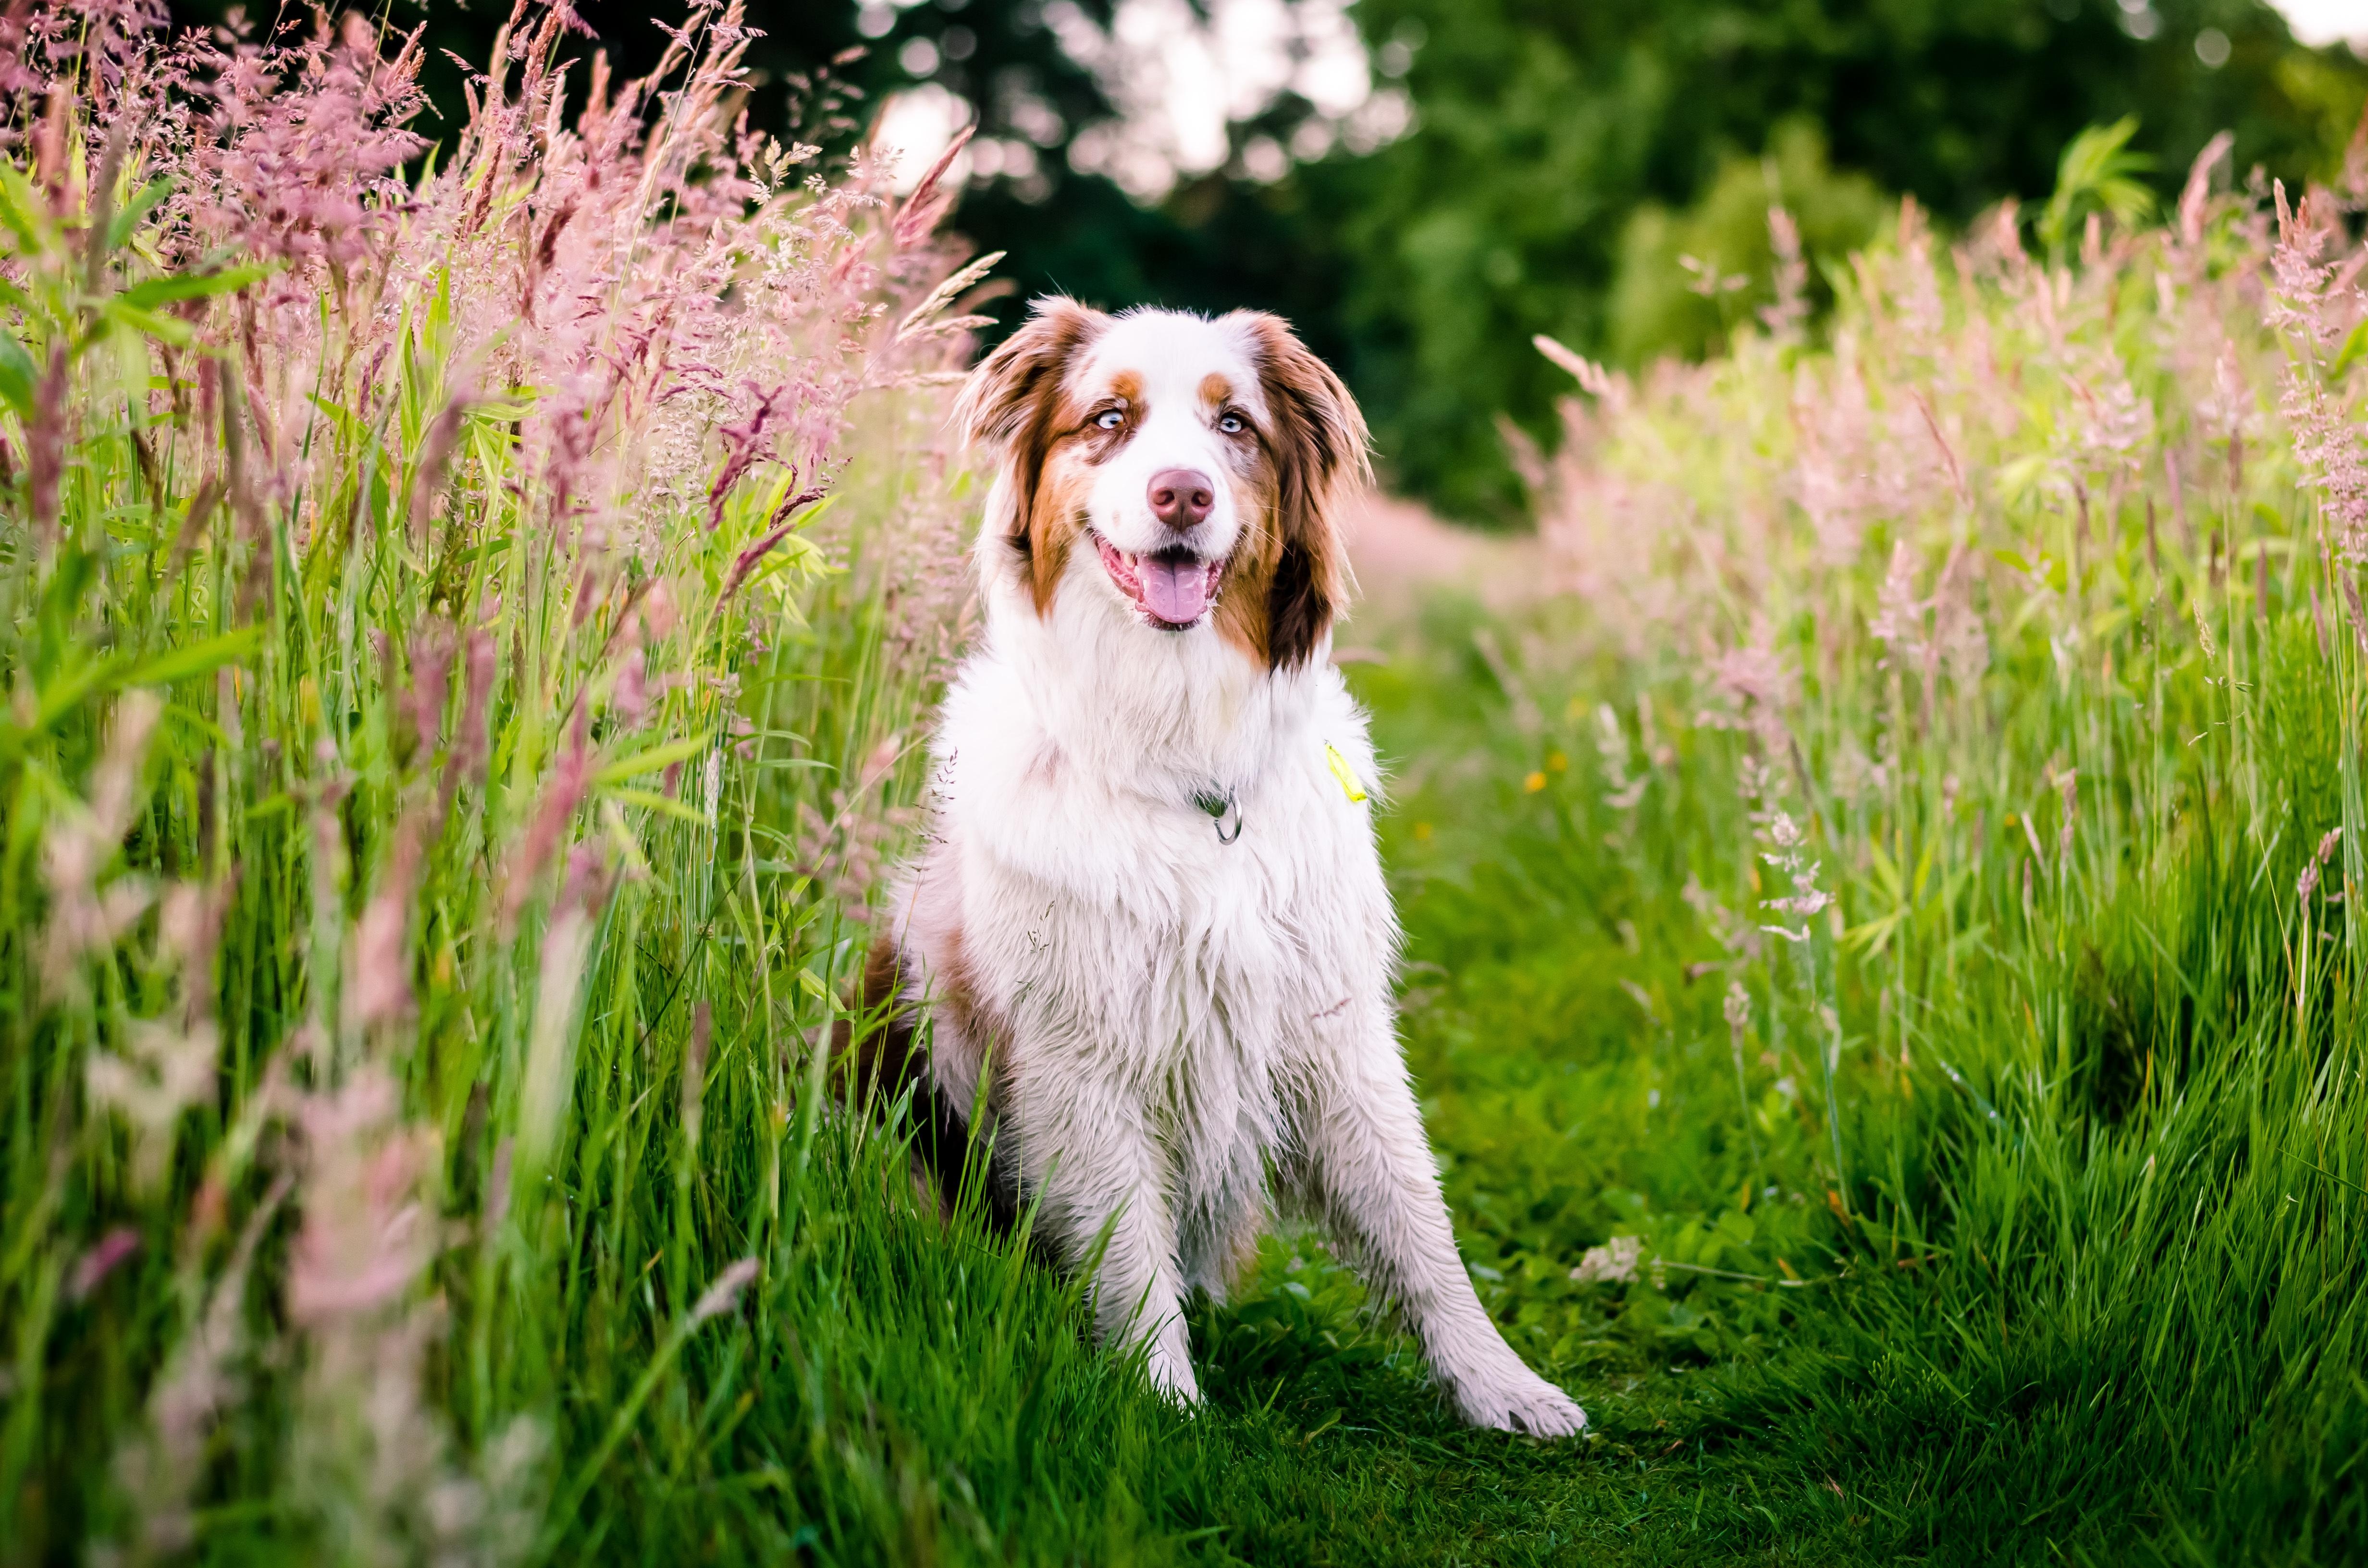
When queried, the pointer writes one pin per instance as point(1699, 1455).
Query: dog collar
point(1223, 810)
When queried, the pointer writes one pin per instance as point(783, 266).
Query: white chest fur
point(1133, 953)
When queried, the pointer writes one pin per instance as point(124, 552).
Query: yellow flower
point(1556, 762)
point(1535, 782)
point(1422, 832)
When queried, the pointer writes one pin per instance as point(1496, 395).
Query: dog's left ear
point(1319, 447)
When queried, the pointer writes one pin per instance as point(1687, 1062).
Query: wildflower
point(432, 669)
point(661, 289)
point(1613, 1262)
point(2308, 883)
point(570, 780)
point(100, 1262)
point(471, 746)
point(2114, 422)
point(45, 437)
point(724, 1294)
point(1708, 281)
point(1958, 637)
point(427, 475)
point(2068, 786)
point(1590, 376)
point(551, 1041)
point(748, 559)
point(746, 444)
point(1899, 622)
point(365, 1237)
point(1612, 746)
point(2321, 302)
point(847, 851)
point(162, 1071)
point(2194, 194)
point(1834, 480)
point(159, 1467)
point(1729, 930)
point(1789, 860)
point(382, 986)
point(1784, 318)
point(2227, 411)
point(369, 1454)
point(84, 919)
point(1757, 678)
point(630, 697)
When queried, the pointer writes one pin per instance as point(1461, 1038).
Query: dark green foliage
point(1544, 126)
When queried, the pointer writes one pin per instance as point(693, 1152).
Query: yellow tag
point(1340, 770)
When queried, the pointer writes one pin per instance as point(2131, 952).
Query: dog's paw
point(1171, 1375)
point(1526, 1404)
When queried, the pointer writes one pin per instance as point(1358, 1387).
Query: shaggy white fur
point(1182, 1015)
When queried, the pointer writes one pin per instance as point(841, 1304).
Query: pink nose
point(1182, 497)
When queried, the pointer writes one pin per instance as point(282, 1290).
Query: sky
point(2326, 21)
point(1180, 79)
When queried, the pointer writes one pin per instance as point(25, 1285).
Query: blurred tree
point(1546, 126)
point(1214, 243)
point(1685, 279)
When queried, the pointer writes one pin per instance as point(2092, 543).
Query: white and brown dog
point(1151, 912)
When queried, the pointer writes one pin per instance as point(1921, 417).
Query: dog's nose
point(1182, 497)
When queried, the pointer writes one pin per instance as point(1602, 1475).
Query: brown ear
point(1012, 403)
point(1318, 443)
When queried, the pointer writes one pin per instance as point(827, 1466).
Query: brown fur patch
point(1055, 522)
point(877, 1060)
point(1215, 390)
point(1014, 402)
point(1293, 571)
point(1243, 600)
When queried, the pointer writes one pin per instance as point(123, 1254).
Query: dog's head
point(1192, 463)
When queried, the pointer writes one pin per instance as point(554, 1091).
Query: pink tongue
point(1176, 591)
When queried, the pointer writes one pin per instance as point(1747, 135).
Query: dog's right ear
point(1011, 405)
point(1015, 391)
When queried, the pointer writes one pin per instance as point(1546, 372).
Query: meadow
point(1880, 968)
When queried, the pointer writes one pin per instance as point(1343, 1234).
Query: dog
point(1149, 926)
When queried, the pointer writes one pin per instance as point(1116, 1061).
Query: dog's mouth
point(1172, 587)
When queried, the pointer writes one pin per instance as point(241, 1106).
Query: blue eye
point(1232, 425)
point(1109, 419)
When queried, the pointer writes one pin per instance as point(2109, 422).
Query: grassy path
point(1563, 1112)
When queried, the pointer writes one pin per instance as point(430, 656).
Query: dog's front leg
point(1371, 1178)
point(1103, 1182)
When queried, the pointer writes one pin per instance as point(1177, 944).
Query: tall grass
point(465, 612)
point(1987, 681)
